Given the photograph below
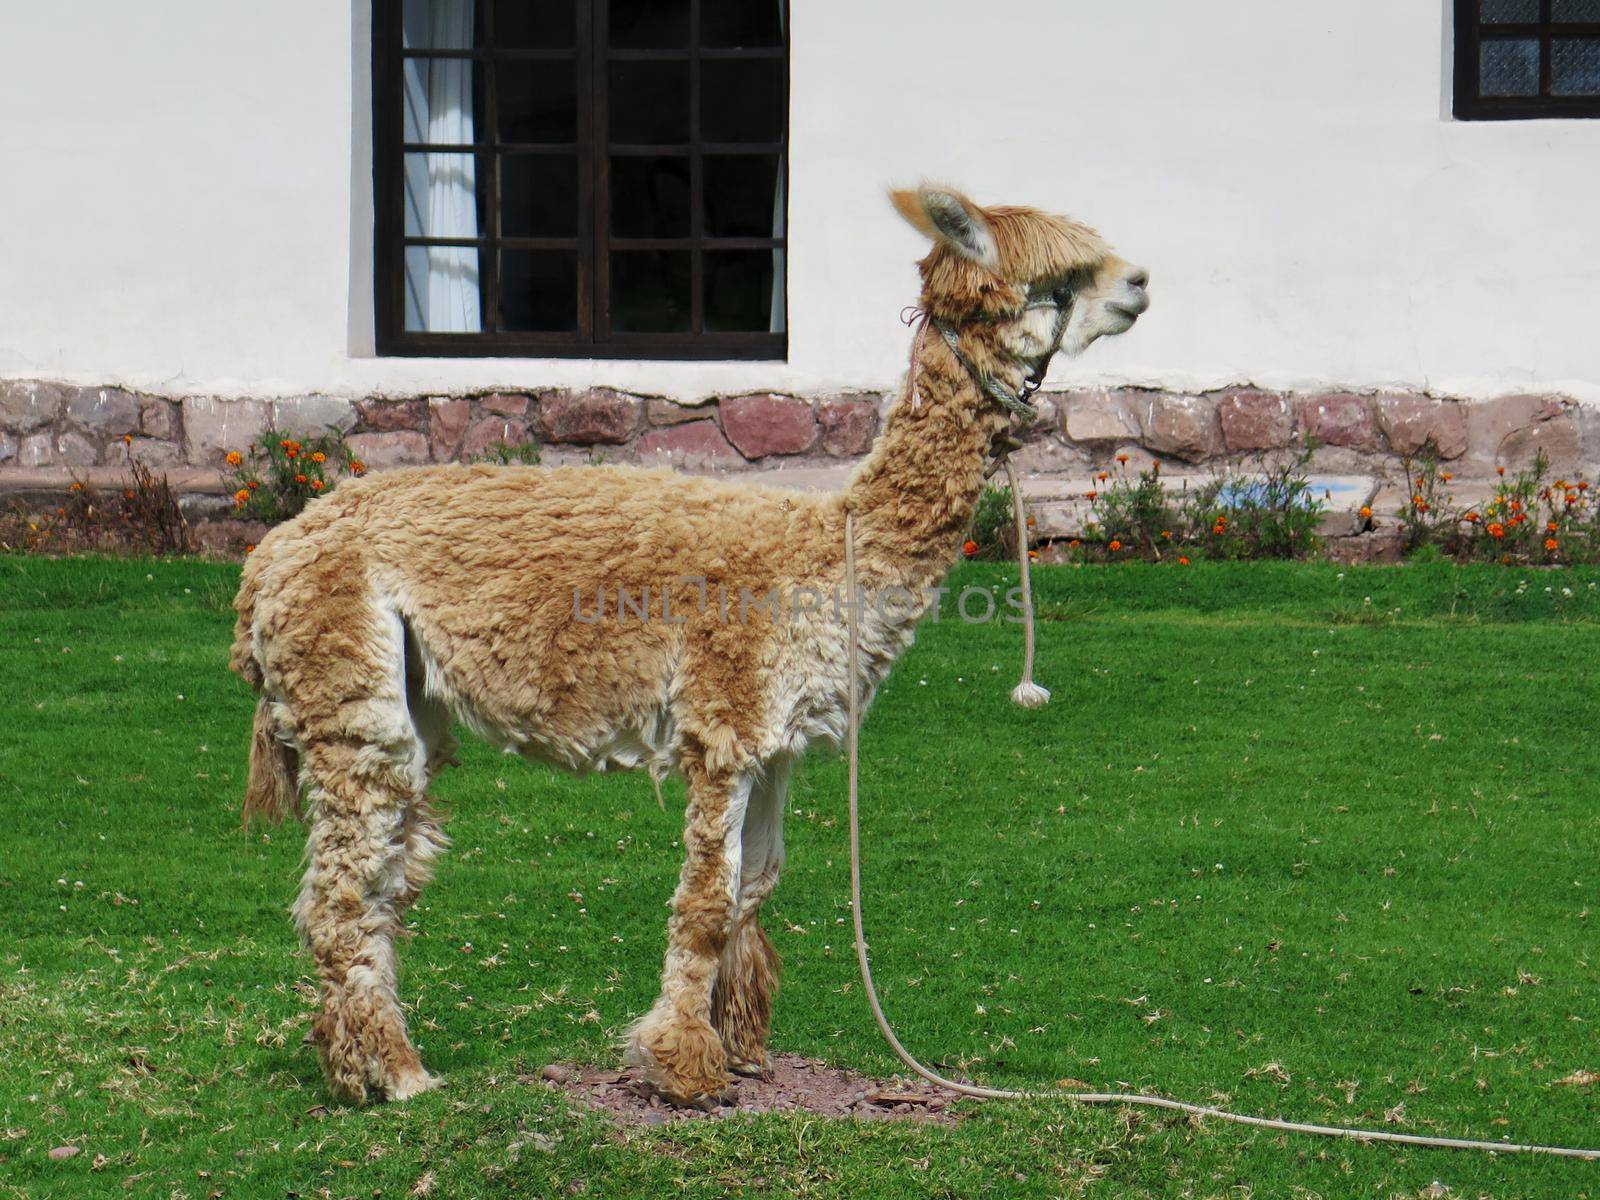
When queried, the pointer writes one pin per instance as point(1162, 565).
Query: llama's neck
point(914, 496)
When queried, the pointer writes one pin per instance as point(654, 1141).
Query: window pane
point(650, 197)
point(441, 101)
point(539, 195)
point(442, 290)
point(742, 193)
point(742, 22)
point(649, 24)
point(740, 293)
point(439, 24)
point(1509, 67)
point(650, 291)
point(441, 196)
point(1575, 67)
point(741, 100)
point(1496, 12)
point(538, 101)
point(535, 24)
point(649, 102)
point(538, 291)
point(1575, 10)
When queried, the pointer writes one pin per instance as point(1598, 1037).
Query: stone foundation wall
point(56, 428)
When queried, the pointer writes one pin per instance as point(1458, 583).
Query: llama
point(489, 595)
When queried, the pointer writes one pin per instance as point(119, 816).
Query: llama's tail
point(272, 791)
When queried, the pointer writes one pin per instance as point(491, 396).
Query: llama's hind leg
point(747, 979)
point(675, 1042)
point(363, 866)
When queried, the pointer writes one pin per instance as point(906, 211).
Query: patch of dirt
point(796, 1085)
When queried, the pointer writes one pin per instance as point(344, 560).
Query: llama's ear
point(949, 217)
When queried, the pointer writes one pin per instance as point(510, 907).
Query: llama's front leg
point(741, 1003)
point(675, 1042)
point(366, 860)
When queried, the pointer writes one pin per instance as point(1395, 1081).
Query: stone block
point(1253, 421)
point(504, 404)
point(1510, 432)
point(396, 448)
point(1183, 427)
point(103, 412)
point(385, 416)
point(598, 416)
point(28, 404)
point(1097, 418)
point(668, 412)
point(212, 427)
point(486, 432)
point(1340, 419)
point(848, 426)
point(447, 426)
point(767, 424)
point(158, 418)
point(36, 450)
point(693, 444)
point(312, 416)
point(1413, 424)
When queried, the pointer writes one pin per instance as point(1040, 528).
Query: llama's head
point(1042, 283)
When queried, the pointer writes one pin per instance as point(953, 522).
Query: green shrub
point(278, 475)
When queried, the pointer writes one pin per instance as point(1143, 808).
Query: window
point(1517, 59)
point(596, 178)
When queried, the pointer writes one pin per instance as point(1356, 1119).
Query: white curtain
point(780, 315)
point(441, 192)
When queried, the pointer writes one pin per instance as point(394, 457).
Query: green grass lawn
point(1308, 841)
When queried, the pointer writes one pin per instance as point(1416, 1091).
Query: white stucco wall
point(184, 207)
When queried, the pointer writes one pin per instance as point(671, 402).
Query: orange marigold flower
point(127, 439)
point(1561, 485)
point(1422, 508)
point(1366, 512)
point(253, 485)
point(1033, 554)
point(1074, 542)
point(1115, 545)
point(1471, 516)
point(1166, 535)
point(357, 467)
point(1551, 526)
point(969, 547)
point(77, 487)
point(1219, 528)
point(1183, 560)
point(1499, 470)
point(299, 478)
point(319, 456)
point(234, 458)
point(250, 548)
point(1496, 530)
point(1583, 485)
point(241, 497)
point(1417, 499)
point(317, 485)
point(1572, 497)
point(1446, 476)
point(1103, 476)
point(292, 453)
point(1122, 458)
point(1552, 545)
point(1090, 495)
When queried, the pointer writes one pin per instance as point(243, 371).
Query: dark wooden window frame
point(593, 243)
point(1470, 34)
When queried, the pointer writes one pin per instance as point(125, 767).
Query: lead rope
point(852, 735)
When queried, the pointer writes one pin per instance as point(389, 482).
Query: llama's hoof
point(682, 1061)
point(752, 1069)
point(413, 1083)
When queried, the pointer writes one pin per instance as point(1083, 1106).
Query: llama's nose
point(1140, 278)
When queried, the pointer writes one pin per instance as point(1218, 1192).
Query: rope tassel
point(1027, 693)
